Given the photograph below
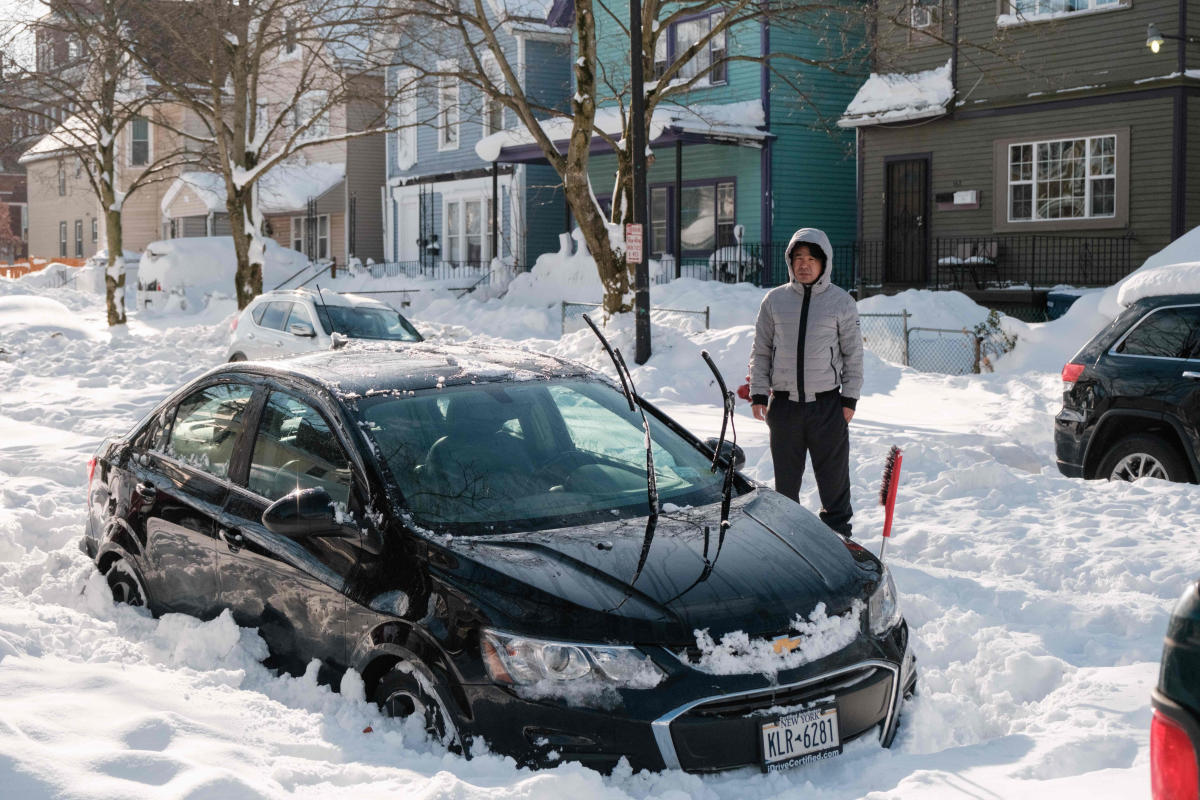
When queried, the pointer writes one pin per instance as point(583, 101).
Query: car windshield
point(491, 458)
point(367, 322)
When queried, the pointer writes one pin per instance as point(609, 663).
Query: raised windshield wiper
point(728, 402)
point(651, 481)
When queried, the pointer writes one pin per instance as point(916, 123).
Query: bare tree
point(84, 88)
point(268, 79)
point(606, 85)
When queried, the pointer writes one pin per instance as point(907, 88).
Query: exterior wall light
point(1155, 38)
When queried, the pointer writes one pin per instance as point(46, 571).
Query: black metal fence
point(1005, 260)
point(760, 263)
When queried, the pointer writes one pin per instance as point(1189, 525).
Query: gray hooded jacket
point(832, 341)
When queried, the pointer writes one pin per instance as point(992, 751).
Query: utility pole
point(637, 124)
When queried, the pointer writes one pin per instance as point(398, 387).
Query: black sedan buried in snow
point(470, 530)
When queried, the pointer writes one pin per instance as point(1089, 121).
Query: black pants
point(819, 430)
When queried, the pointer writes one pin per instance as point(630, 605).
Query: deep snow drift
point(1038, 603)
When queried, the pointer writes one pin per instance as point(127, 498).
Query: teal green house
point(750, 151)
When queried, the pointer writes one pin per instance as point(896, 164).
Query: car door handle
point(147, 491)
point(232, 539)
point(1193, 375)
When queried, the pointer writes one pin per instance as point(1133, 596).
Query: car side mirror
point(301, 329)
point(304, 512)
point(310, 512)
point(728, 450)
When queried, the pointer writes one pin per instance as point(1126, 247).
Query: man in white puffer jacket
point(806, 371)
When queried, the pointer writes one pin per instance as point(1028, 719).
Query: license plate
point(801, 738)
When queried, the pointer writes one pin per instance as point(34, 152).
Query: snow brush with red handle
point(887, 492)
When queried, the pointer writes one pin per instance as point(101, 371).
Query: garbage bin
point(1057, 303)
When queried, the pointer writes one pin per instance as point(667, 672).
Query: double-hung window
point(493, 110)
point(707, 65)
point(469, 231)
point(448, 111)
point(1042, 8)
point(313, 242)
point(139, 142)
point(62, 239)
point(707, 216)
point(1063, 179)
point(406, 119)
point(79, 238)
point(311, 106)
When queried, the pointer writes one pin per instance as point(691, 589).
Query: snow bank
point(1173, 270)
point(198, 268)
point(25, 317)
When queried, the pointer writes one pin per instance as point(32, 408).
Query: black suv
point(1175, 726)
point(475, 532)
point(1131, 396)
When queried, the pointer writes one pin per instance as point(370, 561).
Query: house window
point(469, 231)
point(659, 211)
point(300, 237)
point(706, 216)
point(79, 238)
point(1041, 8)
point(289, 35)
point(139, 142)
point(95, 230)
point(448, 111)
point(311, 106)
point(924, 21)
point(1062, 179)
point(406, 119)
point(707, 66)
point(62, 239)
point(493, 110)
point(62, 180)
point(74, 50)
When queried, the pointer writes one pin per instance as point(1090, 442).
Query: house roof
point(286, 187)
point(72, 134)
point(900, 96)
point(713, 122)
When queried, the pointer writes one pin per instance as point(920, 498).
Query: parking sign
point(633, 243)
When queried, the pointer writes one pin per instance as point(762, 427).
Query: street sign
point(633, 243)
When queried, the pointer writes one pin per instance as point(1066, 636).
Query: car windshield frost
point(499, 457)
point(367, 323)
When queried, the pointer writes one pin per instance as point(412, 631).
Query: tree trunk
point(248, 246)
point(114, 273)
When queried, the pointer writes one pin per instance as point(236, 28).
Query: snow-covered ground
point(1038, 603)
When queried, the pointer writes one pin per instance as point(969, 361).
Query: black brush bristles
point(889, 470)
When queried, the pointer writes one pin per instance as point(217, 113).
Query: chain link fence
point(944, 350)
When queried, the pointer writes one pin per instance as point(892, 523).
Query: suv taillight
point(91, 473)
point(233, 327)
point(1173, 774)
point(1071, 372)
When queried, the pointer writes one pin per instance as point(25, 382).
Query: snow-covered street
point(1038, 603)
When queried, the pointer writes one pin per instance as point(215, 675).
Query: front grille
point(725, 732)
point(759, 704)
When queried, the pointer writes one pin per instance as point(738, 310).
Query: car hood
point(777, 561)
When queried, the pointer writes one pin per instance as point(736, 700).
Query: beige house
point(65, 218)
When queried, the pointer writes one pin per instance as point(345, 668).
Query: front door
point(906, 216)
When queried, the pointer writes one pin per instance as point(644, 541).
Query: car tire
point(405, 691)
point(125, 585)
point(237, 357)
point(1140, 456)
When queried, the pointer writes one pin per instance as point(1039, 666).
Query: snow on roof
point(286, 187)
point(742, 120)
point(71, 134)
point(900, 96)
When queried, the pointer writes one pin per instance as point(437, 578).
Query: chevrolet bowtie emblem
point(785, 644)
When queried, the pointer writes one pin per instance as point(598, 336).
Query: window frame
point(487, 247)
point(1011, 15)
point(449, 114)
point(1114, 349)
point(1001, 183)
point(243, 480)
point(169, 416)
point(926, 34)
point(305, 108)
point(62, 238)
point(405, 115)
point(490, 105)
point(78, 238)
point(134, 141)
point(95, 230)
point(672, 199)
point(711, 78)
point(300, 224)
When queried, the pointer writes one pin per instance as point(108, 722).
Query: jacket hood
point(817, 237)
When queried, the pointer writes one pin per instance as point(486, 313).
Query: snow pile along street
point(1038, 603)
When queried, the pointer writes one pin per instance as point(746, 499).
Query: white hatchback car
point(290, 322)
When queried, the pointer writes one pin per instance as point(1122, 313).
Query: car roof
point(1154, 301)
point(329, 298)
point(360, 370)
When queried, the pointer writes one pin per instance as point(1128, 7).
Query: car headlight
point(884, 609)
point(521, 660)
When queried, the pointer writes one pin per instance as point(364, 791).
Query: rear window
point(1165, 333)
point(275, 314)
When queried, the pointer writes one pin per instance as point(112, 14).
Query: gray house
point(1024, 143)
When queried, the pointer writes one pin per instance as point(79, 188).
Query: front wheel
point(406, 692)
point(237, 357)
point(125, 585)
point(1142, 456)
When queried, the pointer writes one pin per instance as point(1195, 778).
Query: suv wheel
point(1142, 456)
point(405, 692)
point(237, 357)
